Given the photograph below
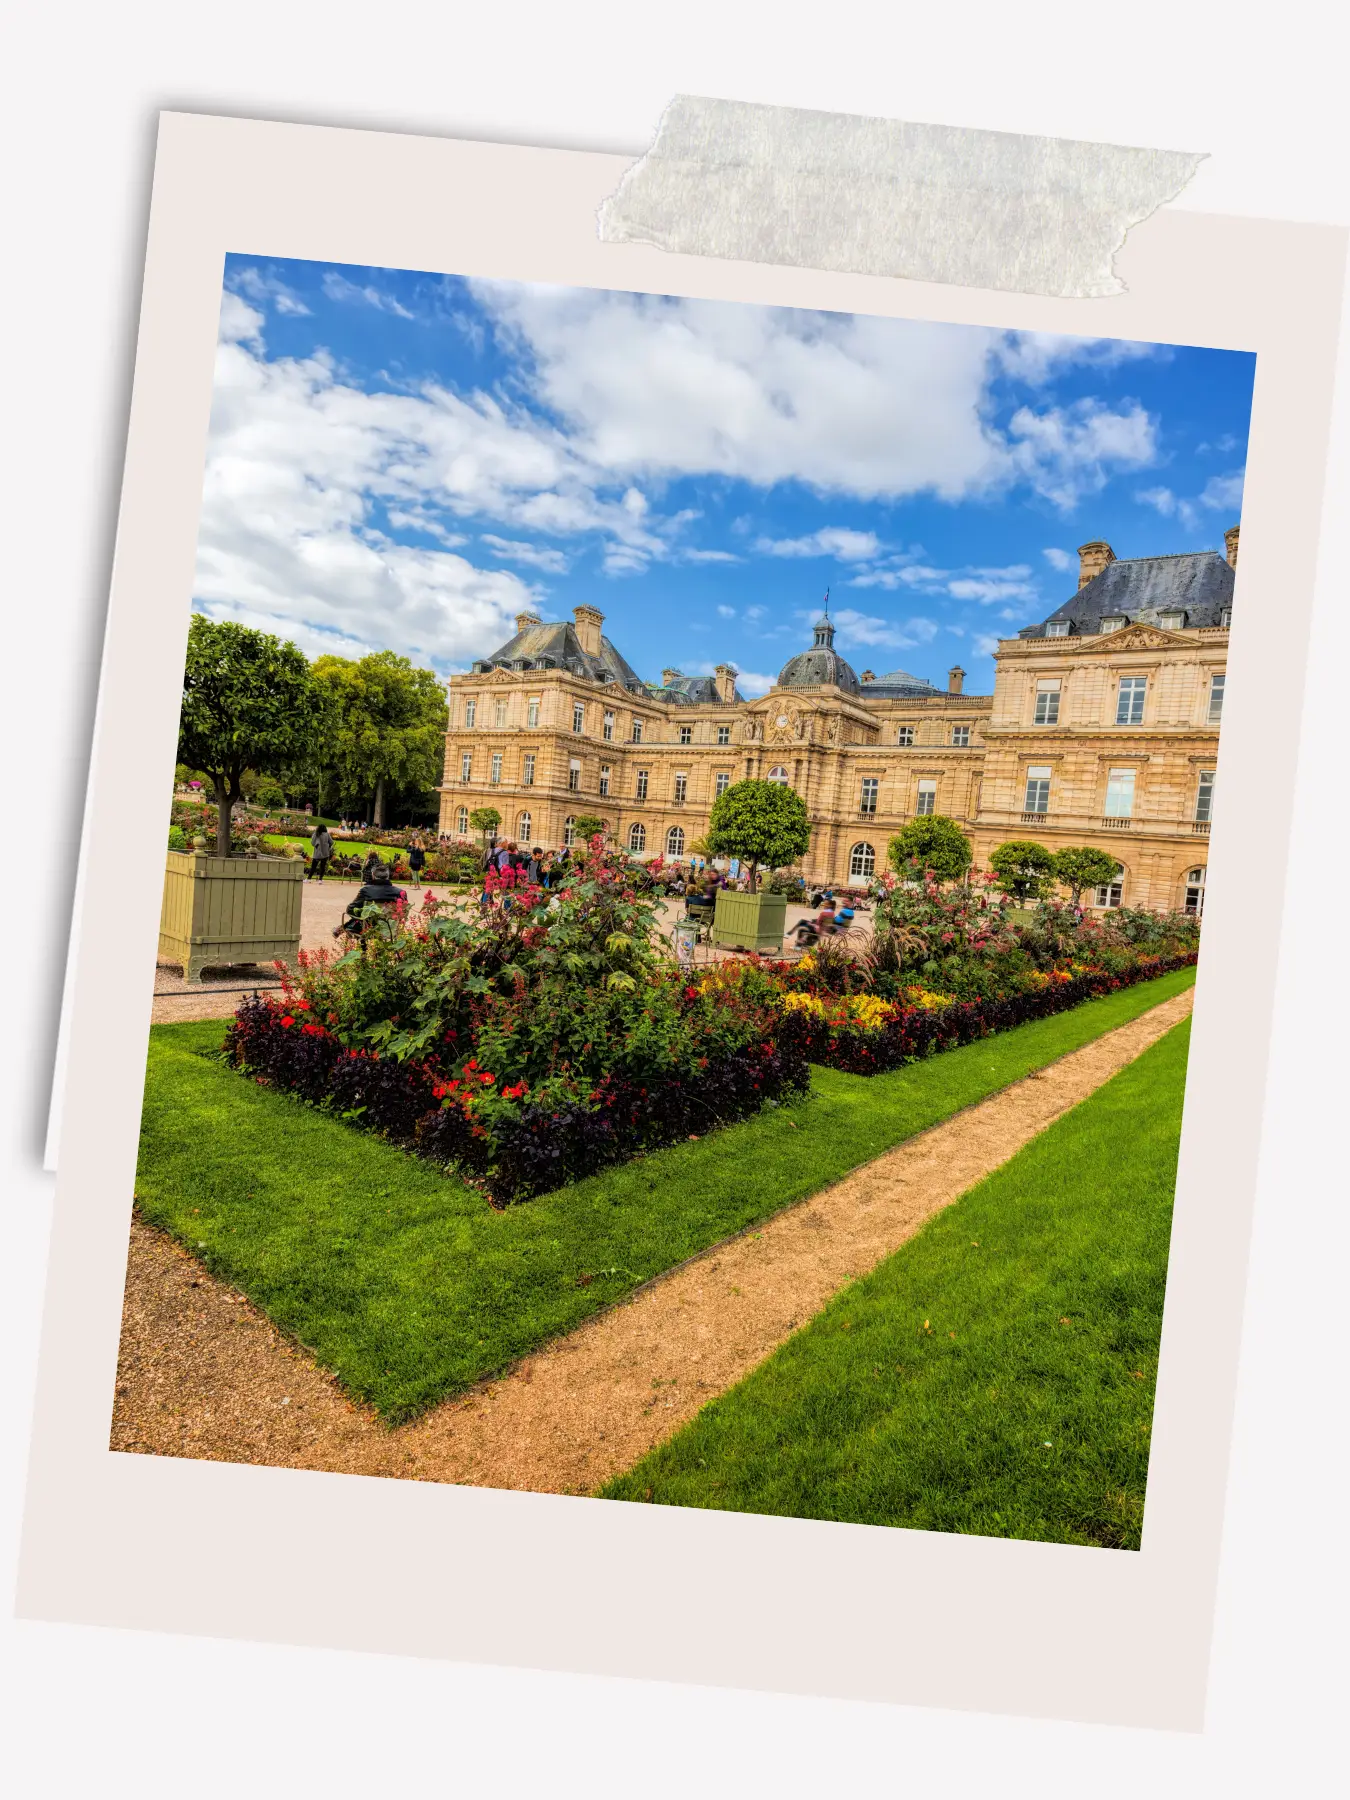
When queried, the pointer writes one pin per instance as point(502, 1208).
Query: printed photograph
point(685, 872)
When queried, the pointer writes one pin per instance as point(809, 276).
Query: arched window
point(862, 862)
point(674, 841)
point(523, 828)
point(637, 837)
point(1111, 892)
point(778, 775)
point(569, 833)
point(462, 821)
point(1195, 891)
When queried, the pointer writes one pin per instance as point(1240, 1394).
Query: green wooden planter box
point(228, 909)
point(749, 921)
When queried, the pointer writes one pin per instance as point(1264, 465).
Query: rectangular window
point(686, 734)
point(721, 784)
point(496, 776)
point(1215, 699)
point(604, 780)
point(578, 715)
point(466, 765)
point(1038, 791)
point(960, 737)
point(724, 734)
point(608, 730)
point(637, 731)
point(868, 803)
point(1109, 894)
point(573, 776)
point(1047, 702)
point(1057, 628)
point(1120, 794)
point(905, 735)
point(681, 789)
point(500, 715)
point(642, 784)
point(1204, 797)
point(527, 769)
point(532, 713)
point(927, 801)
point(1130, 700)
point(470, 712)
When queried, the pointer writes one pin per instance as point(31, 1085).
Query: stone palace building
point(1103, 729)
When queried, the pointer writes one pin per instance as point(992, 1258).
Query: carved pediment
point(1134, 637)
point(499, 677)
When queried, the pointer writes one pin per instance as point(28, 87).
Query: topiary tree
point(268, 793)
point(1083, 867)
point(485, 819)
point(933, 844)
point(586, 826)
point(759, 822)
point(1025, 870)
point(246, 705)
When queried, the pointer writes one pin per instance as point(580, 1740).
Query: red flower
point(486, 1077)
point(287, 1019)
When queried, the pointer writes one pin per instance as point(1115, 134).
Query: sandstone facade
point(1102, 729)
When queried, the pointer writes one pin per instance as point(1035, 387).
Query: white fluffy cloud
point(1221, 493)
point(856, 628)
point(1065, 453)
point(533, 556)
point(1059, 559)
point(835, 541)
point(337, 287)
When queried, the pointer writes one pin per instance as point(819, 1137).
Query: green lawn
point(995, 1376)
point(410, 1287)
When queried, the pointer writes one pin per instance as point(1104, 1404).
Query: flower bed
point(531, 1040)
point(527, 1043)
point(862, 1034)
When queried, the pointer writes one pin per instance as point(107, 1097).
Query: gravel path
point(202, 1373)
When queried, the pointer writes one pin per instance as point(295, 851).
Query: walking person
point(321, 851)
point(417, 859)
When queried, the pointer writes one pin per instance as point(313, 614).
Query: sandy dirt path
point(203, 1374)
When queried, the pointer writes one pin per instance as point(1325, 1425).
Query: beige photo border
point(576, 1584)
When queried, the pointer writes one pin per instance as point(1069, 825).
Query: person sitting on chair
point(376, 890)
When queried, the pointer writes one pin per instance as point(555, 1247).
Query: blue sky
point(404, 461)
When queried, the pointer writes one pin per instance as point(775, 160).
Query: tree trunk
point(222, 816)
point(378, 807)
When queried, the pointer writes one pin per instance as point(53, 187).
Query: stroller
point(808, 934)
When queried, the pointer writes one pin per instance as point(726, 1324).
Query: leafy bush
point(763, 823)
point(931, 847)
point(1024, 869)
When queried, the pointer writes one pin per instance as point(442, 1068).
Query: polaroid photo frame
point(573, 1584)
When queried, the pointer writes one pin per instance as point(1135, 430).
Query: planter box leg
point(192, 970)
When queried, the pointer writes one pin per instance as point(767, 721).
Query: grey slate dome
point(901, 685)
point(820, 666)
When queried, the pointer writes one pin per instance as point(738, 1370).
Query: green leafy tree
point(485, 819)
point(384, 728)
point(269, 793)
point(1083, 867)
point(761, 823)
point(1025, 870)
point(931, 844)
point(586, 826)
point(246, 705)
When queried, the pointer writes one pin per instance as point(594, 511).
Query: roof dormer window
point(1172, 621)
point(1057, 628)
point(1114, 622)
point(1225, 617)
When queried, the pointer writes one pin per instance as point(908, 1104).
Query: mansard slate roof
point(689, 690)
point(820, 666)
point(899, 685)
point(557, 646)
point(1196, 583)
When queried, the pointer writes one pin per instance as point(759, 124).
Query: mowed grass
point(996, 1375)
point(405, 1282)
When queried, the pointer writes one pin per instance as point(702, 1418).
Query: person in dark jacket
point(376, 890)
point(417, 861)
point(321, 849)
point(369, 866)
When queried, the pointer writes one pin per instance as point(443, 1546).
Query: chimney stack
point(1230, 539)
point(1092, 559)
point(669, 675)
point(956, 676)
point(588, 623)
point(867, 675)
point(526, 619)
point(725, 674)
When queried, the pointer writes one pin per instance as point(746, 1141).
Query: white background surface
point(100, 1711)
